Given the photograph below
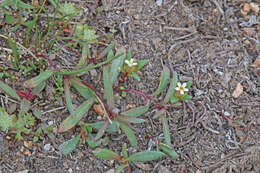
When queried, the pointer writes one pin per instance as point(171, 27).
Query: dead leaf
point(143, 166)
point(98, 109)
point(255, 8)
point(246, 8)
point(256, 65)
point(238, 91)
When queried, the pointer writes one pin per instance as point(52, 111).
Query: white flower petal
point(131, 60)
point(179, 84)
point(134, 63)
point(184, 85)
point(177, 88)
point(182, 92)
point(126, 61)
point(186, 89)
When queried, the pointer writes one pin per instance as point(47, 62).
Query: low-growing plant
point(126, 159)
point(116, 65)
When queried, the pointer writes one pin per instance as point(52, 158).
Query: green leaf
point(110, 54)
point(186, 97)
point(68, 96)
point(135, 76)
point(39, 88)
point(165, 76)
point(112, 128)
point(68, 146)
point(128, 54)
point(116, 64)
point(68, 9)
point(132, 119)
point(129, 133)
point(102, 130)
point(34, 82)
point(188, 84)
point(82, 89)
point(13, 46)
point(73, 119)
point(166, 131)
point(107, 51)
point(108, 87)
point(145, 156)
point(85, 53)
point(106, 154)
point(170, 152)
point(10, 19)
point(9, 90)
point(136, 111)
point(159, 113)
point(89, 35)
point(25, 105)
point(174, 99)
point(171, 88)
point(5, 120)
point(142, 63)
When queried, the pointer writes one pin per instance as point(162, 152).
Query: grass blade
point(73, 119)
point(165, 76)
point(166, 131)
point(82, 89)
point(34, 82)
point(108, 49)
point(13, 46)
point(136, 111)
point(129, 133)
point(145, 156)
point(9, 90)
point(85, 54)
point(68, 146)
point(68, 96)
point(108, 87)
point(170, 152)
point(171, 88)
point(116, 64)
point(106, 154)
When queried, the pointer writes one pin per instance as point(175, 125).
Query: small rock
point(70, 170)
point(93, 72)
point(47, 147)
point(159, 2)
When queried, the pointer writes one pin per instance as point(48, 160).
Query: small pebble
point(47, 147)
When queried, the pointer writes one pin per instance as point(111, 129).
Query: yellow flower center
point(181, 88)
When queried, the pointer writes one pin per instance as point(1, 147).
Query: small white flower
point(181, 88)
point(130, 63)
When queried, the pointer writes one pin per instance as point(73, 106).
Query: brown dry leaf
point(27, 144)
point(256, 64)
point(254, 7)
point(246, 8)
point(98, 109)
point(143, 166)
point(27, 152)
point(238, 91)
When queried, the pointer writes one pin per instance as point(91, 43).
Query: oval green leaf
point(9, 90)
point(136, 111)
point(34, 82)
point(170, 152)
point(73, 119)
point(171, 88)
point(145, 156)
point(166, 131)
point(68, 146)
point(106, 154)
point(165, 76)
